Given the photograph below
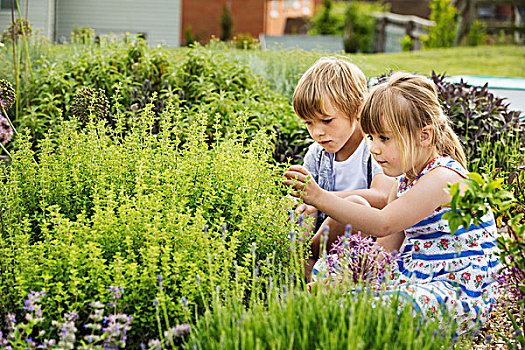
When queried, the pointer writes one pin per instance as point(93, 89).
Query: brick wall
point(204, 17)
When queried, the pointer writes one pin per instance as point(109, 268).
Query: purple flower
point(198, 280)
point(359, 258)
point(184, 302)
point(159, 277)
point(300, 220)
point(6, 131)
point(179, 331)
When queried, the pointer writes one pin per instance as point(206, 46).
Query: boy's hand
point(300, 179)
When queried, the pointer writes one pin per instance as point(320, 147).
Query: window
point(5, 4)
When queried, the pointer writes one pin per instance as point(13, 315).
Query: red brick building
point(203, 17)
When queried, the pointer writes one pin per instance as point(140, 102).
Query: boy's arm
point(378, 193)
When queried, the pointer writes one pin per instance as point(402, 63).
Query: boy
point(327, 98)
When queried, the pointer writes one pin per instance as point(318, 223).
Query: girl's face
point(334, 132)
point(385, 149)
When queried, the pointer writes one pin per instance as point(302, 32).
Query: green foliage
point(442, 34)
point(480, 194)
point(359, 27)
point(245, 41)
point(128, 66)
point(506, 196)
point(211, 82)
point(288, 318)
point(82, 35)
point(106, 208)
point(406, 43)
point(226, 24)
point(189, 38)
point(477, 34)
point(329, 19)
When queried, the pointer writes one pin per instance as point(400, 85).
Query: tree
point(443, 33)
point(327, 23)
point(226, 24)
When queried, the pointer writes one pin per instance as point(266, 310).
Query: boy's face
point(334, 132)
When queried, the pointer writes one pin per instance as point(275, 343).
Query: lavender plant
point(358, 259)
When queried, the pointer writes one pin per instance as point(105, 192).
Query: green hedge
point(102, 208)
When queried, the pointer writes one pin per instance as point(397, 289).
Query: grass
point(506, 61)
point(283, 68)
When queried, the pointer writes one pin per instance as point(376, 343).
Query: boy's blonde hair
point(402, 106)
point(333, 80)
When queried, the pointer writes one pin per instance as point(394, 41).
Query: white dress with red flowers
point(437, 270)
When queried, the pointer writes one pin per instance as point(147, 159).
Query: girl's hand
point(305, 209)
point(300, 179)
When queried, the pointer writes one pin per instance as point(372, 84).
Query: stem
point(10, 123)
point(15, 66)
point(6, 151)
point(25, 39)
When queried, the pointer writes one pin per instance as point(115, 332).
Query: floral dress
point(437, 270)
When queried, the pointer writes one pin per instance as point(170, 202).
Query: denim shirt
point(320, 164)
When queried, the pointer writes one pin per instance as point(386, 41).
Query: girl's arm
point(395, 240)
point(404, 212)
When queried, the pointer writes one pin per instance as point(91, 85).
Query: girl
point(410, 137)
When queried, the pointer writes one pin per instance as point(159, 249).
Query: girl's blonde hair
point(402, 106)
point(333, 80)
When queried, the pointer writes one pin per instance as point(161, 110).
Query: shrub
point(127, 65)
point(477, 34)
point(226, 24)
point(481, 120)
point(105, 208)
point(245, 41)
point(329, 19)
point(223, 87)
point(359, 27)
point(442, 34)
point(406, 43)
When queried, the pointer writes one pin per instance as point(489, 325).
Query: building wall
point(279, 10)
point(158, 20)
point(40, 16)
point(203, 17)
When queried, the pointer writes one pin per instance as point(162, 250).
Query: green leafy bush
point(105, 208)
point(477, 34)
point(360, 27)
point(442, 34)
point(329, 19)
point(126, 64)
point(223, 87)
